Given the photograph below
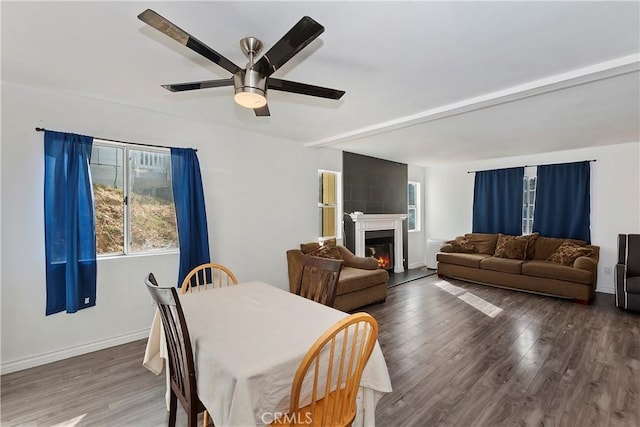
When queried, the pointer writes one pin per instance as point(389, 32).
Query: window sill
point(136, 255)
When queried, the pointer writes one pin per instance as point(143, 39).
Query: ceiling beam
point(603, 70)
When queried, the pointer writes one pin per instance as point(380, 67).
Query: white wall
point(261, 200)
point(615, 196)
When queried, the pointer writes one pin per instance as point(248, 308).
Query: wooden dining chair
point(206, 276)
point(319, 279)
point(328, 378)
point(181, 362)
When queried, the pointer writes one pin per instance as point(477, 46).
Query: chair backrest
point(327, 380)
point(629, 253)
point(151, 279)
point(181, 364)
point(206, 276)
point(319, 279)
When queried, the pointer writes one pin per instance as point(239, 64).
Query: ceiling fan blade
point(262, 111)
point(180, 87)
point(299, 36)
point(304, 89)
point(168, 28)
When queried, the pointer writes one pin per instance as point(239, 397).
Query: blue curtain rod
point(123, 142)
point(531, 166)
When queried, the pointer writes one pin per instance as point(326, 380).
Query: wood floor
point(539, 361)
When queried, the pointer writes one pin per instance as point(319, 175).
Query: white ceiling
point(425, 82)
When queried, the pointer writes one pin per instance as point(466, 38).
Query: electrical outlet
point(607, 270)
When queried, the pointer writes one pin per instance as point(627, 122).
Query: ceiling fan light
point(250, 99)
point(250, 88)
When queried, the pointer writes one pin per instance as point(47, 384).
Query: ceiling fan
point(250, 83)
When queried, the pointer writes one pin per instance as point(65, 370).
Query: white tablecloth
point(248, 341)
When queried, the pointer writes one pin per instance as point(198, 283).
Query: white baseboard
point(417, 265)
point(607, 289)
point(54, 356)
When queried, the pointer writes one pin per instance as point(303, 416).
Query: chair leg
point(205, 419)
point(173, 407)
point(193, 418)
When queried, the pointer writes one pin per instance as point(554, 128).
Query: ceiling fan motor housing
point(250, 81)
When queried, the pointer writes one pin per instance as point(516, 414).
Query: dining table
point(248, 341)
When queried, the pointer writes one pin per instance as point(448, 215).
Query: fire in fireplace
point(383, 252)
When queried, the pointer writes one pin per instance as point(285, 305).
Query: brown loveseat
point(541, 268)
point(361, 281)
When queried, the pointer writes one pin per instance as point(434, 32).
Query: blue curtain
point(70, 235)
point(563, 201)
point(497, 201)
point(191, 214)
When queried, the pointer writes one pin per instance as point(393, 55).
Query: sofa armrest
point(588, 264)
point(351, 260)
point(585, 263)
point(620, 272)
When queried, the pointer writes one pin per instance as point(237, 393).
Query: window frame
point(337, 205)
point(526, 205)
point(416, 207)
point(126, 194)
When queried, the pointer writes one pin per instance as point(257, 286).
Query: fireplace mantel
point(373, 222)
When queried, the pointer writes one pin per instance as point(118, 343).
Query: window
point(133, 199)
point(329, 204)
point(413, 208)
point(528, 203)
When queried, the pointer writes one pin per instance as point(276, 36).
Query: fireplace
point(381, 248)
point(382, 226)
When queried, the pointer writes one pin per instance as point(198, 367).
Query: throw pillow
point(511, 247)
point(568, 252)
point(330, 242)
point(330, 252)
point(531, 243)
point(462, 245)
point(307, 248)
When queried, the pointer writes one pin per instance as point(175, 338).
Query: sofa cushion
point(483, 242)
point(467, 260)
point(551, 270)
point(355, 279)
point(462, 245)
point(568, 252)
point(511, 247)
point(330, 252)
point(546, 246)
point(531, 243)
point(633, 284)
point(504, 265)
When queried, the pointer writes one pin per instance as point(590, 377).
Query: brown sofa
point(535, 273)
point(361, 281)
